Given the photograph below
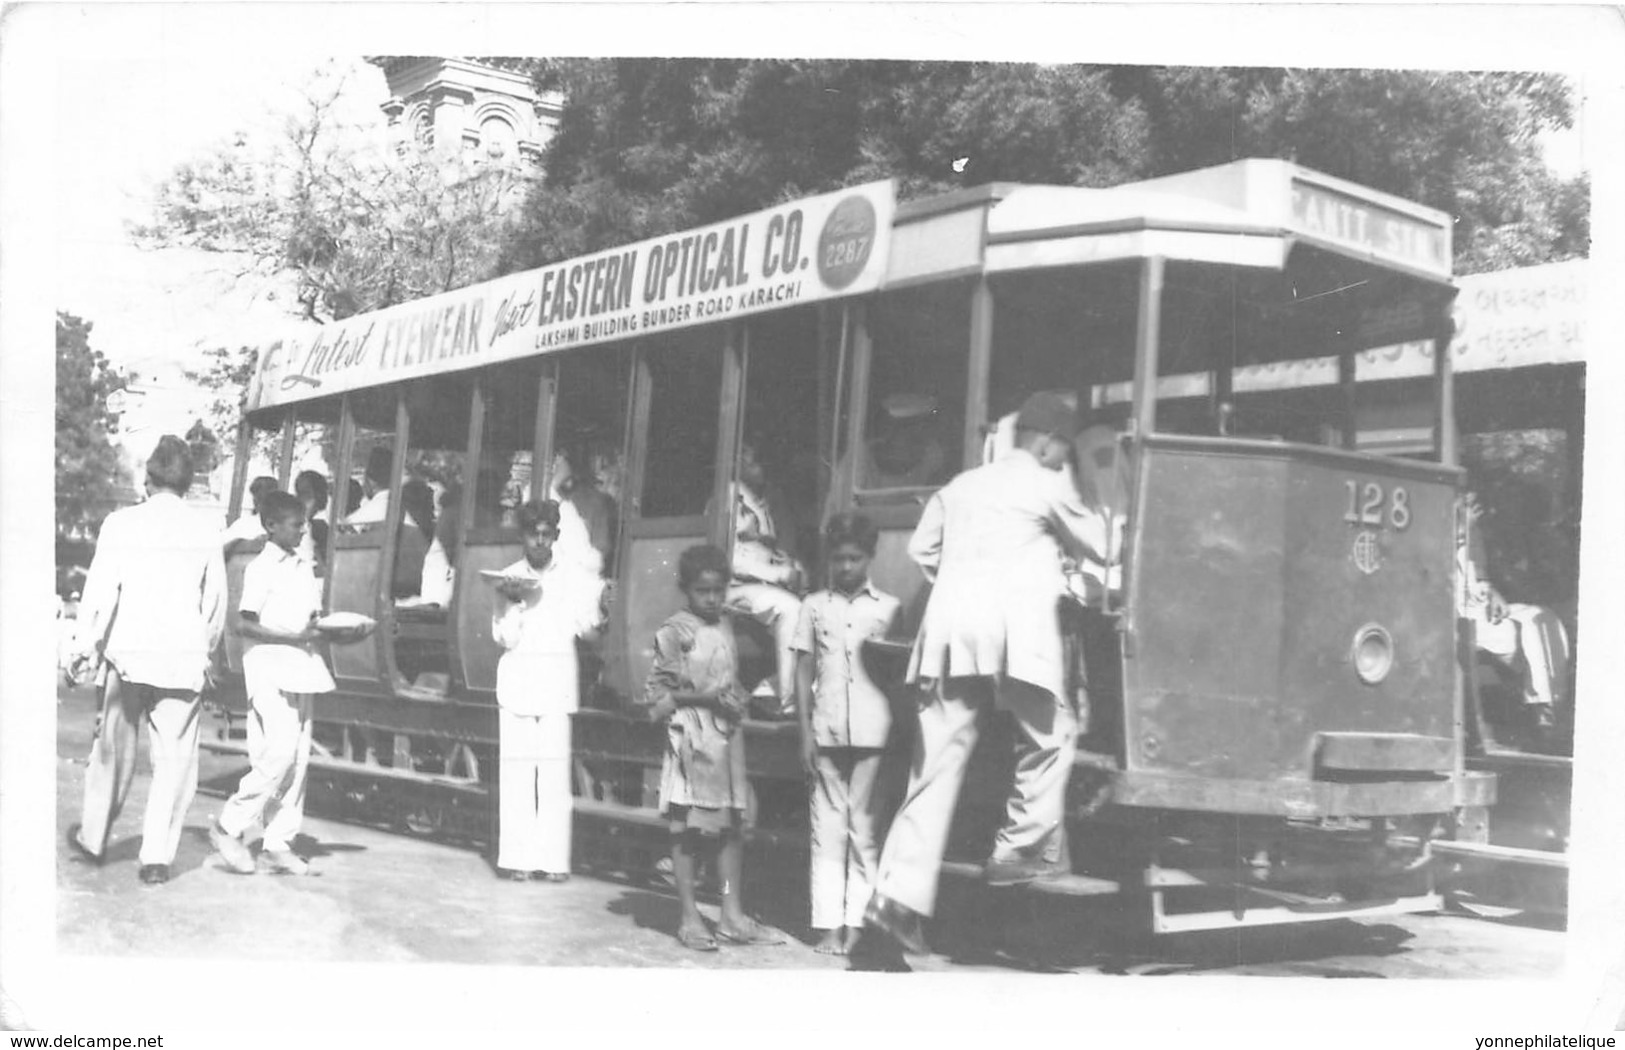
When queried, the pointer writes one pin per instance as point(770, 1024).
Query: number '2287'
point(1371, 504)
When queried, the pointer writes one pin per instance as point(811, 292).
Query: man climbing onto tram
point(991, 543)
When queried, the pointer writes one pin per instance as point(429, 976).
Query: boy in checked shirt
point(845, 719)
point(280, 601)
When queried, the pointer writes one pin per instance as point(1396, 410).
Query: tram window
point(371, 460)
point(914, 419)
point(438, 430)
point(316, 427)
point(427, 533)
point(781, 423)
point(502, 481)
point(588, 436)
point(1059, 330)
point(682, 446)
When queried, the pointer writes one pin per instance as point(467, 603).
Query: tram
point(1275, 725)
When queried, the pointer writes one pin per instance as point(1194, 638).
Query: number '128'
point(1369, 504)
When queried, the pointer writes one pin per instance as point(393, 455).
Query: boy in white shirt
point(845, 720)
point(280, 601)
point(545, 604)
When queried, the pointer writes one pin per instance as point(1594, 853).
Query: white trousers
point(845, 811)
point(777, 610)
point(1531, 639)
point(1046, 739)
point(171, 717)
point(279, 727)
point(533, 792)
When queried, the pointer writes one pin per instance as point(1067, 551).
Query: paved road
point(380, 897)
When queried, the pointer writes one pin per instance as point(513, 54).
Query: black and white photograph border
point(44, 988)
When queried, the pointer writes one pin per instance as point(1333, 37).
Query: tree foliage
point(358, 221)
point(87, 461)
point(646, 147)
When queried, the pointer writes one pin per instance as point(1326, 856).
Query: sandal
point(753, 934)
point(696, 940)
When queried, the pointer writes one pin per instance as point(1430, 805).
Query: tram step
point(1064, 886)
point(1501, 854)
point(361, 769)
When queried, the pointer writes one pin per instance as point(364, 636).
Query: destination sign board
point(1342, 220)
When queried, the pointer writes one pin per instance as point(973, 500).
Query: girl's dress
point(702, 779)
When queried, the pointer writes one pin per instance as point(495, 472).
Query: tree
point(329, 201)
point(87, 462)
point(646, 147)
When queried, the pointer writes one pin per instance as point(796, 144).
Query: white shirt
point(753, 559)
point(538, 673)
point(307, 543)
point(248, 526)
point(155, 599)
point(849, 709)
point(439, 577)
point(281, 589)
point(373, 509)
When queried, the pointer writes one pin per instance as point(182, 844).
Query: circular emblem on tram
point(846, 241)
point(1367, 555)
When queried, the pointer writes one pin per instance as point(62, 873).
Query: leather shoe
point(154, 874)
point(77, 847)
point(902, 924)
point(1019, 871)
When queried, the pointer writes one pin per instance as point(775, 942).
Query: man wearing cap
point(154, 609)
point(991, 541)
point(907, 454)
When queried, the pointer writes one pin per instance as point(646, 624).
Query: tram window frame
point(581, 378)
point(667, 355)
point(881, 323)
point(531, 381)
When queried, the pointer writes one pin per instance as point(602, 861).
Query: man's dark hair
point(170, 465)
point(417, 500)
point(379, 461)
point(538, 512)
point(704, 557)
point(311, 483)
point(261, 487)
point(276, 504)
point(855, 529)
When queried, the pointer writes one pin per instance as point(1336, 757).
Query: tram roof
point(1249, 213)
point(1245, 213)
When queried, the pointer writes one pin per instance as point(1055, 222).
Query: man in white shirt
point(766, 579)
point(991, 542)
point(154, 608)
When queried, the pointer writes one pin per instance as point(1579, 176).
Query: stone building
point(486, 107)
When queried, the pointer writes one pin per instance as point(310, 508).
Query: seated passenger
point(766, 579)
point(905, 450)
point(412, 542)
point(440, 563)
point(375, 485)
point(576, 485)
point(1528, 640)
point(575, 545)
point(311, 488)
point(248, 527)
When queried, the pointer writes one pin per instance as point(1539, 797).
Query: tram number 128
point(1370, 504)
